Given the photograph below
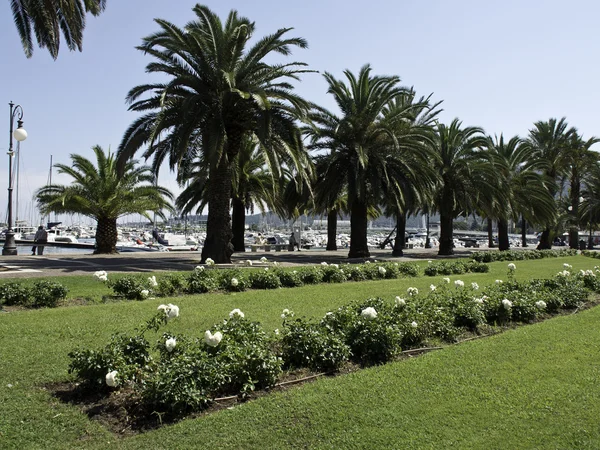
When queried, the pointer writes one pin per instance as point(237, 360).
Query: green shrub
point(408, 269)
point(306, 344)
point(333, 274)
point(233, 280)
point(289, 278)
point(372, 340)
point(170, 285)
point(14, 293)
point(466, 310)
point(520, 255)
point(201, 281)
point(355, 272)
point(132, 287)
point(47, 293)
point(185, 382)
point(311, 275)
point(590, 280)
point(264, 279)
point(250, 363)
point(125, 354)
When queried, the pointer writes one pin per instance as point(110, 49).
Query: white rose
point(111, 378)
point(170, 344)
point(369, 313)
point(236, 312)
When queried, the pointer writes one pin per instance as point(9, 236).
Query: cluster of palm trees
point(226, 118)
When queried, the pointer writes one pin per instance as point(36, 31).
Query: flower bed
point(203, 280)
point(521, 255)
point(183, 374)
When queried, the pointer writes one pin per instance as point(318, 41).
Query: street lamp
point(20, 135)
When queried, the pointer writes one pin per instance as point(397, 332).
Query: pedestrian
point(40, 239)
point(293, 242)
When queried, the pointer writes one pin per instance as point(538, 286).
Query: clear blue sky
point(498, 65)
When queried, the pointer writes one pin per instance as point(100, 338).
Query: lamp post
point(20, 135)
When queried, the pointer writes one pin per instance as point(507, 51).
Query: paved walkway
point(24, 266)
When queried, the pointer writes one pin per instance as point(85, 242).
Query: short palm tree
point(219, 92)
point(580, 159)
point(590, 207)
point(101, 193)
point(413, 166)
point(48, 19)
point(550, 142)
point(522, 190)
point(462, 172)
point(252, 186)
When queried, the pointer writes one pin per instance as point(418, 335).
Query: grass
point(532, 387)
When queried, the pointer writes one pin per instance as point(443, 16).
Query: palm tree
point(462, 172)
point(590, 207)
point(522, 189)
point(101, 193)
point(416, 176)
point(218, 94)
point(253, 185)
point(365, 152)
point(331, 203)
point(580, 158)
point(550, 142)
point(48, 19)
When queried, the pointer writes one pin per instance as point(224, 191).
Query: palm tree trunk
point(545, 243)
point(523, 232)
point(106, 236)
point(446, 235)
point(217, 245)
point(400, 232)
point(490, 231)
point(332, 229)
point(573, 238)
point(503, 243)
point(358, 231)
point(238, 224)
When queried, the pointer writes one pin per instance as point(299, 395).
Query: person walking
point(293, 242)
point(40, 239)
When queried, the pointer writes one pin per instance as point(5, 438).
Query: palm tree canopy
point(550, 142)
point(47, 20)
point(522, 189)
point(462, 169)
point(369, 150)
point(97, 191)
point(252, 182)
point(219, 91)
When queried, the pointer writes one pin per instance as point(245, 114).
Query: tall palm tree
point(49, 19)
point(463, 172)
point(364, 158)
point(550, 142)
point(522, 190)
point(101, 193)
point(219, 92)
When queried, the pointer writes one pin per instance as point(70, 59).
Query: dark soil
point(122, 413)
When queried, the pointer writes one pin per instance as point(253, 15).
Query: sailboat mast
point(49, 184)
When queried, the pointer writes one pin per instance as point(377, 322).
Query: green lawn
point(533, 387)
